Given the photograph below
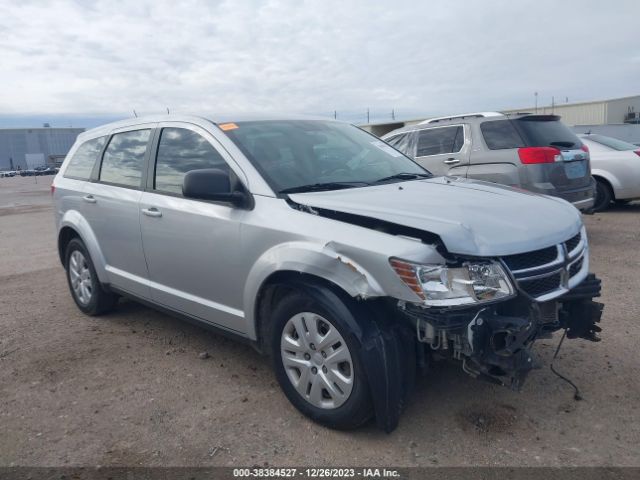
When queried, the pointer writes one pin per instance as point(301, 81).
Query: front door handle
point(89, 199)
point(152, 212)
point(451, 161)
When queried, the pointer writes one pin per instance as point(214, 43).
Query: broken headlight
point(441, 286)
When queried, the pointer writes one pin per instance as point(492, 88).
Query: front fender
point(74, 220)
point(322, 260)
point(612, 179)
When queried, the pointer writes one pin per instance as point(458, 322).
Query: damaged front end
point(495, 342)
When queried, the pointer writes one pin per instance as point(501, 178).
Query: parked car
point(7, 173)
point(336, 255)
point(615, 165)
point(534, 152)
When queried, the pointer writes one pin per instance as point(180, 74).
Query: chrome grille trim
point(567, 264)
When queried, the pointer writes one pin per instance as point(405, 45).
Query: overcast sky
point(105, 58)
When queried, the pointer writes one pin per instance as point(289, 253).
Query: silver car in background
point(534, 152)
point(340, 258)
point(615, 165)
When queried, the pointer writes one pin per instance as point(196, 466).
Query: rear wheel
point(317, 362)
point(604, 196)
point(86, 290)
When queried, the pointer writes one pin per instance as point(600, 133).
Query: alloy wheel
point(80, 276)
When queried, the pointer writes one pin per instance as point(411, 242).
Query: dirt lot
point(130, 389)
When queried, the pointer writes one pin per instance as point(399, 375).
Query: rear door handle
point(152, 212)
point(89, 199)
point(450, 161)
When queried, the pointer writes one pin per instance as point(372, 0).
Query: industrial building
point(26, 148)
point(624, 111)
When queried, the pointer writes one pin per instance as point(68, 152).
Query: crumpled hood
point(471, 217)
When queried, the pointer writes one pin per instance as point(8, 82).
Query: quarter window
point(436, 141)
point(123, 159)
point(180, 151)
point(401, 142)
point(501, 135)
point(81, 164)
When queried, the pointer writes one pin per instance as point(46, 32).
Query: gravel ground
point(132, 388)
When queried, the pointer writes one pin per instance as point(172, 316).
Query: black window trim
point(464, 139)
point(97, 169)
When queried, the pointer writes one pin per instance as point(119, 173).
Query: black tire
point(358, 408)
point(604, 196)
point(101, 301)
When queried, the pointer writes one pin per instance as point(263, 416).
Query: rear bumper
point(582, 198)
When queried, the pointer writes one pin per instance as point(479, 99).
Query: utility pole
point(553, 104)
point(535, 94)
point(367, 115)
point(335, 114)
point(393, 114)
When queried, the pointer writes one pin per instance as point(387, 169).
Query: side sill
point(231, 334)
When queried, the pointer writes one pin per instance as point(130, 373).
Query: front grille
point(533, 259)
point(573, 242)
point(540, 286)
point(575, 267)
point(548, 270)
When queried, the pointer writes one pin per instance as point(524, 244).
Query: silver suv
point(340, 258)
point(535, 152)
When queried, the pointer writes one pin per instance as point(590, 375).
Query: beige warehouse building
point(602, 112)
point(614, 111)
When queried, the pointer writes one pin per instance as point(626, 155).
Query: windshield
point(611, 142)
point(304, 155)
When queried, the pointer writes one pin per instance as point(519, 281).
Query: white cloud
point(311, 56)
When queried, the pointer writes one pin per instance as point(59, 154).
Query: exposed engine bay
point(495, 342)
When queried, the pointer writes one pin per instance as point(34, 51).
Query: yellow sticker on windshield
point(228, 126)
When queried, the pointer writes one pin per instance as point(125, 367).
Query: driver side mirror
point(212, 184)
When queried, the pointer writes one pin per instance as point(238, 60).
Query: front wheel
point(603, 196)
point(317, 362)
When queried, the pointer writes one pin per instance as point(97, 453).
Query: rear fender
point(74, 220)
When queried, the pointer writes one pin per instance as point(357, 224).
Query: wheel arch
point(74, 225)
point(293, 262)
point(608, 179)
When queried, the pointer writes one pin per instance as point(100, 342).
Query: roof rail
point(464, 115)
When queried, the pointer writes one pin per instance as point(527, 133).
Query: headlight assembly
point(441, 286)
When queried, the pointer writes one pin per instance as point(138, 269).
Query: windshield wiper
point(319, 187)
point(562, 144)
point(404, 176)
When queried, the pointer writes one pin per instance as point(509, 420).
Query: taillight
point(584, 148)
point(53, 189)
point(529, 155)
point(637, 152)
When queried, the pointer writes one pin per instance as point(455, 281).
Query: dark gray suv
point(534, 152)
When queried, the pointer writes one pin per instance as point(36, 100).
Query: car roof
point(197, 119)
point(463, 118)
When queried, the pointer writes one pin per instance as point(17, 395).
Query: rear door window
point(546, 131)
point(124, 158)
point(501, 135)
point(81, 164)
point(181, 150)
point(436, 141)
